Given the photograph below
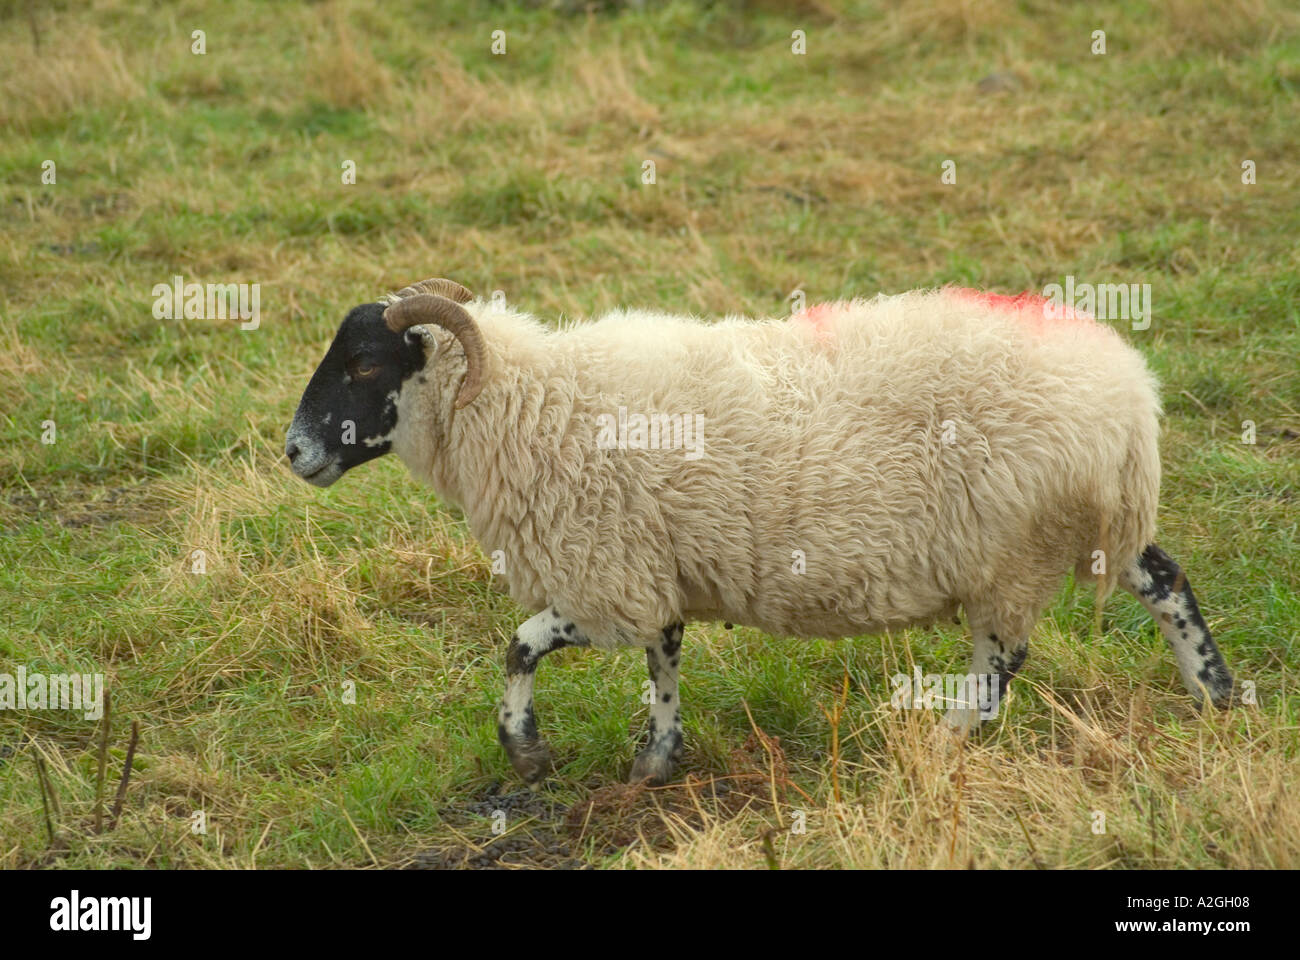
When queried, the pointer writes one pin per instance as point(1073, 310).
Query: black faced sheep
point(862, 466)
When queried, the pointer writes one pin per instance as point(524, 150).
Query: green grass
point(523, 173)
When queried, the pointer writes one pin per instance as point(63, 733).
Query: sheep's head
point(348, 413)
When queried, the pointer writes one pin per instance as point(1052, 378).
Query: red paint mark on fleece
point(818, 317)
point(1036, 310)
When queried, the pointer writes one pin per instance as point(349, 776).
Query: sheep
point(860, 467)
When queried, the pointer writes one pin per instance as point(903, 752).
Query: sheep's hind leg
point(999, 654)
point(663, 749)
point(1161, 586)
point(516, 722)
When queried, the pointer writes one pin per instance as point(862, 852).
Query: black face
point(348, 412)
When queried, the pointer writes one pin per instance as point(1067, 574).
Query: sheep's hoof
point(962, 721)
point(654, 766)
point(1224, 692)
point(1222, 699)
point(531, 760)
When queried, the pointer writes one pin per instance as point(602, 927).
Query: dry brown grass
point(1024, 801)
point(81, 65)
point(342, 72)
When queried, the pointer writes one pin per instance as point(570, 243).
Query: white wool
point(919, 452)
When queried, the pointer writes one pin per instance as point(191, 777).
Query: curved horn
point(437, 285)
point(423, 308)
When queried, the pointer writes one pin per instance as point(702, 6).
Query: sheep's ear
point(420, 335)
point(438, 286)
point(430, 308)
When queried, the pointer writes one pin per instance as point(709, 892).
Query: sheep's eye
point(363, 370)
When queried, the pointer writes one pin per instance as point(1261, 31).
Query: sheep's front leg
point(663, 748)
point(516, 722)
point(998, 656)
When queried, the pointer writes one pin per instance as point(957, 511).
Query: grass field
point(522, 173)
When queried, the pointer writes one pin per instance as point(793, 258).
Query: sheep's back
point(863, 465)
point(871, 464)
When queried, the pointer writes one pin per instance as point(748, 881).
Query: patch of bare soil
point(542, 834)
point(534, 836)
point(80, 505)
